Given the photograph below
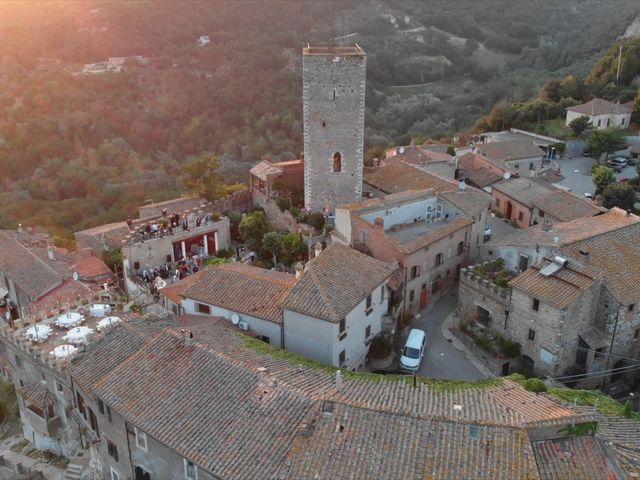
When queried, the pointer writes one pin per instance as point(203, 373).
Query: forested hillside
point(77, 150)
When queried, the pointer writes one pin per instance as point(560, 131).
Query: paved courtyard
point(576, 171)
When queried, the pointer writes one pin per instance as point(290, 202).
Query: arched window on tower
point(337, 162)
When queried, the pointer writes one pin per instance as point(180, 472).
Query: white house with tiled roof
point(336, 307)
point(601, 113)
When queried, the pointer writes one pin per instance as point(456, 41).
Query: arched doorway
point(337, 162)
point(527, 364)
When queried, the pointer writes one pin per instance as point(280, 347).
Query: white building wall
point(257, 325)
point(321, 340)
point(615, 120)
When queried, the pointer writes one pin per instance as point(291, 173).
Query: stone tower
point(333, 113)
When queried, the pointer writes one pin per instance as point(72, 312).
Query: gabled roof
point(436, 234)
point(263, 169)
point(32, 274)
point(242, 288)
point(560, 289)
point(239, 411)
point(510, 150)
point(522, 190)
point(600, 106)
point(335, 282)
point(37, 395)
point(175, 291)
point(89, 268)
point(470, 201)
point(565, 206)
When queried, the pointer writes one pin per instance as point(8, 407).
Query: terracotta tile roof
point(618, 254)
point(89, 268)
point(399, 177)
point(565, 206)
point(67, 293)
point(361, 443)
point(560, 289)
point(24, 267)
point(437, 234)
point(37, 395)
point(470, 201)
point(600, 106)
point(623, 435)
point(510, 150)
point(263, 169)
point(175, 291)
point(243, 288)
point(568, 232)
point(575, 458)
point(241, 412)
point(522, 190)
point(481, 177)
point(594, 337)
point(335, 282)
point(110, 235)
point(417, 155)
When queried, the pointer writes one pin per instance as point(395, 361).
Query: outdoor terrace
point(405, 233)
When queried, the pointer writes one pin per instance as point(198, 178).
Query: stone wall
point(476, 291)
point(333, 114)
point(241, 201)
point(278, 219)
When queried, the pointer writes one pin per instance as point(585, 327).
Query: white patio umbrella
point(64, 351)
point(39, 333)
point(68, 320)
point(77, 335)
point(107, 322)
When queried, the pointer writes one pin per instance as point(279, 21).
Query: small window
point(458, 270)
point(369, 301)
point(190, 470)
point(435, 284)
point(343, 325)
point(343, 357)
point(114, 474)
point(536, 304)
point(608, 122)
point(141, 440)
point(324, 124)
point(521, 216)
point(599, 122)
point(59, 386)
point(438, 259)
point(367, 331)
point(460, 248)
point(622, 121)
point(636, 334)
point(532, 335)
point(424, 286)
point(531, 166)
point(112, 449)
point(108, 413)
point(18, 362)
point(101, 406)
point(334, 94)
point(541, 213)
point(630, 308)
point(412, 295)
point(382, 294)
point(517, 166)
point(523, 262)
point(415, 272)
point(337, 162)
point(205, 309)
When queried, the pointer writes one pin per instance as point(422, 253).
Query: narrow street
point(441, 359)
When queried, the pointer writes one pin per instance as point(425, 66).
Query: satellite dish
point(401, 150)
point(75, 276)
point(507, 175)
point(235, 319)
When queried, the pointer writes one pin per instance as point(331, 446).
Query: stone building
point(573, 307)
point(333, 115)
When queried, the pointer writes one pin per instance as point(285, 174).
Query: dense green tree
point(293, 248)
point(272, 245)
point(605, 141)
point(602, 177)
point(200, 176)
point(618, 195)
point(580, 125)
point(253, 227)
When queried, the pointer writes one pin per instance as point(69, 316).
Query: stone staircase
point(73, 472)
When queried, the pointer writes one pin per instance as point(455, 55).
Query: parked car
point(413, 350)
point(487, 234)
point(588, 195)
point(617, 163)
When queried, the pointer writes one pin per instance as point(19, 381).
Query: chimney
point(20, 228)
point(317, 249)
point(299, 268)
point(50, 253)
point(338, 380)
point(628, 213)
point(188, 341)
point(183, 335)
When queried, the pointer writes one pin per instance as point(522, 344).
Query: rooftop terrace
point(340, 51)
point(410, 231)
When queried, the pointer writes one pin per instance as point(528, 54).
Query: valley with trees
point(78, 150)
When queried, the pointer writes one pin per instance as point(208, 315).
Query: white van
point(413, 350)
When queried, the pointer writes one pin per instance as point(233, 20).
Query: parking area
point(577, 173)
